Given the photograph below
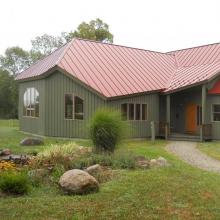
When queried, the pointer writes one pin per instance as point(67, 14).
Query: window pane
point(68, 106)
point(216, 117)
point(131, 111)
point(199, 115)
point(124, 109)
point(144, 111)
point(137, 112)
point(78, 102)
point(216, 108)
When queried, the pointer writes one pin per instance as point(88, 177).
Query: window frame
point(212, 112)
point(135, 111)
point(73, 108)
point(31, 108)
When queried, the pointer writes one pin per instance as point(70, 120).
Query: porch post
point(203, 111)
point(167, 128)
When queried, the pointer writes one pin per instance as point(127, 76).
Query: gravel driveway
point(188, 152)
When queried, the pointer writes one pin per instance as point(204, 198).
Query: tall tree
point(94, 30)
point(44, 45)
point(15, 60)
point(8, 95)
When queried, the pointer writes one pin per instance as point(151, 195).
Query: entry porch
point(183, 115)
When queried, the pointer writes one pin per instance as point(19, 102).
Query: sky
point(159, 25)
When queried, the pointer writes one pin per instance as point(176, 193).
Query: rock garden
point(73, 169)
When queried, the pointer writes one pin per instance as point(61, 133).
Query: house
point(174, 93)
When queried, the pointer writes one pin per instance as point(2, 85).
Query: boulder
point(142, 162)
point(5, 152)
point(31, 141)
point(78, 182)
point(160, 162)
point(94, 169)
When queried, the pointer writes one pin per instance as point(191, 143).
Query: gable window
point(31, 103)
point(216, 112)
point(73, 107)
point(131, 111)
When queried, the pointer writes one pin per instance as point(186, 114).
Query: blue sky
point(150, 24)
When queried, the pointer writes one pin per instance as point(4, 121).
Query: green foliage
point(57, 155)
point(106, 129)
point(44, 45)
point(12, 182)
point(94, 30)
point(15, 60)
point(123, 160)
point(8, 95)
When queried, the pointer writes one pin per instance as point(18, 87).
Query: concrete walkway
point(188, 152)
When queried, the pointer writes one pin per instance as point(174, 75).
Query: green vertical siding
point(57, 85)
point(141, 129)
point(27, 124)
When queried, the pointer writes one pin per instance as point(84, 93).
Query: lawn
point(211, 148)
point(176, 192)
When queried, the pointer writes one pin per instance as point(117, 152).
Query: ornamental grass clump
point(106, 130)
point(12, 182)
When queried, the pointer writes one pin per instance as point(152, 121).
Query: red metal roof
point(114, 70)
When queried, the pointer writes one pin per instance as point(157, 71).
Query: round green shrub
point(106, 129)
point(12, 182)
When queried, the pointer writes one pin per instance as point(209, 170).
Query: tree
point(94, 30)
point(8, 95)
point(15, 60)
point(44, 45)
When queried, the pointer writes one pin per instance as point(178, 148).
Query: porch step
point(184, 137)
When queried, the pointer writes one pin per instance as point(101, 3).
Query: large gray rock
point(78, 182)
point(31, 141)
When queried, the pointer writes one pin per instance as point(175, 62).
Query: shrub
point(12, 182)
point(106, 129)
point(58, 154)
point(116, 161)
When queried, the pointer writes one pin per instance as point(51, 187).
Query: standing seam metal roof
point(114, 70)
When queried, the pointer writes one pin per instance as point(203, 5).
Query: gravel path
point(188, 152)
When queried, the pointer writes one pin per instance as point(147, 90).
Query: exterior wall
point(141, 129)
point(52, 122)
point(28, 124)
point(57, 85)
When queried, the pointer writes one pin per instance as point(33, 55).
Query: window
point(78, 102)
point(124, 111)
point(73, 107)
point(216, 112)
point(31, 103)
point(137, 112)
point(199, 115)
point(130, 111)
point(144, 111)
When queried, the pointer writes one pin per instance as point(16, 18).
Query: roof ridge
point(118, 45)
point(64, 51)
point(205, 45)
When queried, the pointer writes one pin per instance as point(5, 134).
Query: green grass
point(10, 137)
point(211, 148)
point(176, 192)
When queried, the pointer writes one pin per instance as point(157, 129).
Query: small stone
point(153, 163)
point(78, 182)
point(31, 141)
point(94, 169)
point(162, 162)
point(5, 152)
point(142, 162)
